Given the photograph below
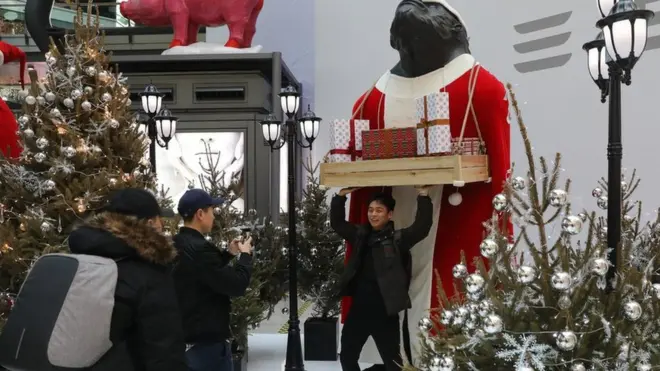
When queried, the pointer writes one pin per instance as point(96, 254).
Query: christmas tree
point(80, 143)
point(320, 250)
point(268, 285)
point(542, 301)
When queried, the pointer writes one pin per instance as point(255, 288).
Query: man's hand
point(246, 246)
point(343, 192)
point(233, 247)
point(423, 190)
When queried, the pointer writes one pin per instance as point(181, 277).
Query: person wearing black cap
point(146, 322)
point(205, 282)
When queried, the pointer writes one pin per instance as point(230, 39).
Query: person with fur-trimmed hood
point(146, 329)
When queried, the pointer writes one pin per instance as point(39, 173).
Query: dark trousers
point(210, 357)
point(364, 320)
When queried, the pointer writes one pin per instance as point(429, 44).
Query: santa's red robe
point(9, 141)
point(391, 103)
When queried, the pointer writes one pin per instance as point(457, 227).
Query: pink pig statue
point(186, 16)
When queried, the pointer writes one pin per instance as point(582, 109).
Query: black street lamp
point(276, 136)
point(161, 125)
point(623, 37)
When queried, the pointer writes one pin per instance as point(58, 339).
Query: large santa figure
point(432, 41)
point(9, 140)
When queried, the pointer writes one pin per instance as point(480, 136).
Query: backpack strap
point(397, 240)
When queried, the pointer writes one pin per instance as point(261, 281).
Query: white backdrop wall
point(561, 105)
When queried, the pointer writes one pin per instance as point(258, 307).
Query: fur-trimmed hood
point(117, 236)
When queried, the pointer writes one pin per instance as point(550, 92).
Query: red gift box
point(469, 146)
point(389, 143)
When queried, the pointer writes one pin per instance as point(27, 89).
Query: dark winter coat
point(205, 282)
point(392, 262)
point(146, 323)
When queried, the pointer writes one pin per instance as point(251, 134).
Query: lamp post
point(161, 124)
point(276, 137)
point(610, 59)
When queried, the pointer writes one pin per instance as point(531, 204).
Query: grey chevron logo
point(543, 43)
point(653, 42)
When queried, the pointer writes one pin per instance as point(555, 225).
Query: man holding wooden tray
point(377, 274)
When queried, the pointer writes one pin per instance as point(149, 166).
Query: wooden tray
point(456, 170)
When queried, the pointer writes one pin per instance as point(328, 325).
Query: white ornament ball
point(106, 97)
point(624, 186)
point(455, 199)
point(89, 90)
point(40, 157)
point(41, 100)
point(129, 102)
point(68, 103)
point(474, 283)
point(499, 202)
point(103, 75)
point(50, 96)
point(656, 290)
point(583, 216)
point(91, 71)
point(30, 100)
point(518, 183)
point(644, 366)
point(69, 151)
point(571, 224)
point(29, 133)
point(561, 281)
point(23, 120)
point(602, 202)
point(526, 274)
point(566, 340)
point(71, 71)
point(459, 271)
point(564, 302)
point(578, 367)
point(113, 123)
point(42, 143)
point(49, 185)
point(599, 266)
point(493, 324)
point(86, 106)
point(55, 112)
point(632, 310)
point(76, 93)
point(558, 197)
point(46, 227)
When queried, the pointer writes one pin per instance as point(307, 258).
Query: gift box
point(389, 143)
point(433, 130)
point(469, 146)
point(346, 140)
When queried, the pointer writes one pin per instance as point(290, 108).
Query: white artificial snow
point(209, 48)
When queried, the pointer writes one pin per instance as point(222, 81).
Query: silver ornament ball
point(499, 202)
point(446, 317)
point(459, 271)
point(86, 105)
point(30, 100)
point(69, 151)
point(571, 224)
point(566, 340)
point(597, 192)
point(526, 274)
point(70, 71)
point(474, 283)
point(49, 185)
point(578, 367)
point(50, 96)
point(113, 123)
point(42, 143)
point(41, 100)
point(208, 238)
point(656, 290)
point(558, 197)
point(40, 157)
point(624, 186)
point(68, 103)
point(632, 310)
point(488, 248)
point(23, 120)
point(599, 266)
point(493, 324)
point(518, 183)
point(29, 133)
point(564, 302)
point(46, 227)
point(106, 97)
point(91, 71)
point(425, 324)
point(76, 93)
point(561, 281)
point(285, 310)
point(583, 216)
point(602, 202)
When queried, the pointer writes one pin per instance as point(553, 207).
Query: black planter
point(321, 339)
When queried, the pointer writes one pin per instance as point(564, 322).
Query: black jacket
point(205, 282)
point(392, 270)
point(146, 323)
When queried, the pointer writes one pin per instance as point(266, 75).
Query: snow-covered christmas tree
point(537, 302)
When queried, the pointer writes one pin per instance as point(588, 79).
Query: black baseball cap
point(196, 199)
point(136, 202)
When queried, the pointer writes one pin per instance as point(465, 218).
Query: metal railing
point(12, 16)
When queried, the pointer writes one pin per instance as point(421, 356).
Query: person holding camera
point(206, 281)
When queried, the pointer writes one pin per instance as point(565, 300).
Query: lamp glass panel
point(307, 128)
point(271, 132)
point(604, 69)
point(593, 59)
point(317, 128)
point(608, 42)
point(604, 6)
point(622, 38)
point(641, 29)
point(290, 104)
point(164, 127)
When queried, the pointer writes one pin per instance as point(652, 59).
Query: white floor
point(267, 353)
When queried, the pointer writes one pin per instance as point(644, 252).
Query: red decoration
point(186, 16)
point(389, 143)
point(10, 145)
